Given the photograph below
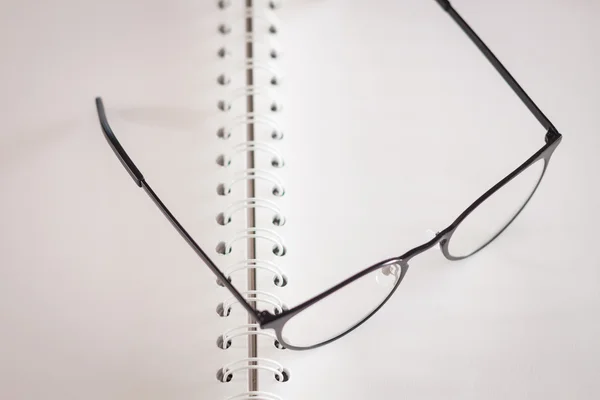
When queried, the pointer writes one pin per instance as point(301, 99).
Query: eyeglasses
point(296, 328)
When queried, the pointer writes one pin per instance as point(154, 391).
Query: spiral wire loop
point(224, 308)
point(268, 17)
point(244, 120)
point(226, 373)
point(242, 93)
point(254, 233)
point(226, 216)
point(265, 53)
point(255, 395)
point(226, 338)
point(277, 161)
point(223, 189)
point(279, 279)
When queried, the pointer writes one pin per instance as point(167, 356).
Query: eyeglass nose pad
point(392, 269)
point(431, 234)
point(389, 275)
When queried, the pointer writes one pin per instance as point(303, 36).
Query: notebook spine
point(261, 59)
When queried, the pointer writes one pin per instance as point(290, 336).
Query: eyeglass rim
point(277, 322)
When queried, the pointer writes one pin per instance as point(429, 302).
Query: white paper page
point(395, 123)
point(99, 296)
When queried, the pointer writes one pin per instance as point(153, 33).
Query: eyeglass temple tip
point(120, 152)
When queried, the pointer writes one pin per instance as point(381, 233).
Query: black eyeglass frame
point(266, 319)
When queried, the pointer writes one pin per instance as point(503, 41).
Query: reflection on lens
point(495, 213)
point(342, 310)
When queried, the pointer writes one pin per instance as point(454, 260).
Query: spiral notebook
point(298, 142)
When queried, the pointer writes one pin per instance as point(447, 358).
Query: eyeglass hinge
point(552, 134)
point(265, 317)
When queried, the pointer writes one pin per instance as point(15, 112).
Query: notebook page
point(394, 124)
point(100, 297)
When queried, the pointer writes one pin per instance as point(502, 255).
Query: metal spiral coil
point(255, 395)
point(225, 217)
point(259, 296)
point(226, 339)
point(225, 374)
point(277, 161)
point(279, 278)
point(266, 52)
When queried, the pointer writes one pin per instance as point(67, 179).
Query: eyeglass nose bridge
point(435, 238)
point(432, 234)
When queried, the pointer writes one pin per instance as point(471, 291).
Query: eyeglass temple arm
point(445, 4)
point(138, 178)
